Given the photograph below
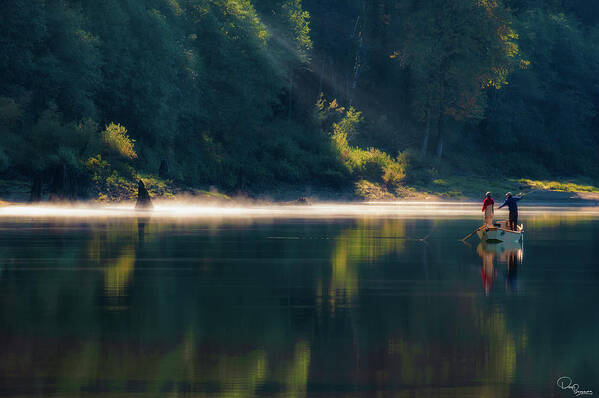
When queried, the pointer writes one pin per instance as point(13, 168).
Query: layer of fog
point(191, 210)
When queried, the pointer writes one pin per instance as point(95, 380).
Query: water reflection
point(356, 307)
point(359, 245)
point(486, 351)
point(113, 251)
point(510, 254)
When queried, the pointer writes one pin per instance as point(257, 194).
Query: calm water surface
point(382, 304)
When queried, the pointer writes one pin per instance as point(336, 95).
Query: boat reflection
point(509, 253)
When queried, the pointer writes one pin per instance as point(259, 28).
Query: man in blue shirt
point(510, 202)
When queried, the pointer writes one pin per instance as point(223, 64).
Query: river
point(326, 300)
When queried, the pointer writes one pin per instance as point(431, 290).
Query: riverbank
point(473, 188)
point(535, 198)
point(454, 189)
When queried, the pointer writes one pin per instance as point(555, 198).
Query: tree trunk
point(346, 88)
point(36, 189)
point(426, 135)
point(333, 81)
point(163, 170)
point(440, 139)
point(440, 147)
point(58, 187)
point(359, 59)
point(290, 95)
point(320, 75)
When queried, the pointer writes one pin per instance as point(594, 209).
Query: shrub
point(393, 175)
point(115, 136)
point(370, 191)
point(349, 124)
point(417, 171)
point(107, 183)
point(372, 165)
point(98, 168)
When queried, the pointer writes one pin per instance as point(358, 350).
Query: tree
point(454, 49)
point(548, 110)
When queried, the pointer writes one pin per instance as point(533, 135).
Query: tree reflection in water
point(356, 246)
point(341, 308)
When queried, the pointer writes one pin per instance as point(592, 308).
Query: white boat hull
point(500, 234)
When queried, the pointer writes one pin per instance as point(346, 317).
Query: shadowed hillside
point(383, 98)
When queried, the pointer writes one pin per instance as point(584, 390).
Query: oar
point(472, 233)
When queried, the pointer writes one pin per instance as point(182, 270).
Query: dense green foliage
point(246, 95)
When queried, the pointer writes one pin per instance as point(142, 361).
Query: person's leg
point(512, 221)
point(515, 221)
point(489, 216)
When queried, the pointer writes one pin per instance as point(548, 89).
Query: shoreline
point(537, 198)
point(462, 189)
point(457, 189)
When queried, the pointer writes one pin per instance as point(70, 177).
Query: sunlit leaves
point(300, 23)
point(116, 137)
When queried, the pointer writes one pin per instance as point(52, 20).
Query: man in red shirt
point(488, 209)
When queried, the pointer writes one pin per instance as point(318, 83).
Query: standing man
point(510, 201)
point(488, 209)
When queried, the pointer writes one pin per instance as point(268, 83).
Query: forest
point(254, 96)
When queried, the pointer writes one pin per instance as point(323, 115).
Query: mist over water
point(191, 209)
point(327, 300)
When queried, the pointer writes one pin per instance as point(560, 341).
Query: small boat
point(500, 232)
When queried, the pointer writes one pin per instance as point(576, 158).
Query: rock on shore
point(143, 197)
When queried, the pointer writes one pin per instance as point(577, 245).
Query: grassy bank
point(455, 188)
point(468, 188)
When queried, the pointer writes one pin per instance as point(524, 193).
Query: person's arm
point(518, 197)
point(504, 203)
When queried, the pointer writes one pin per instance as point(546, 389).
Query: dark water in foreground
point(296, 307)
